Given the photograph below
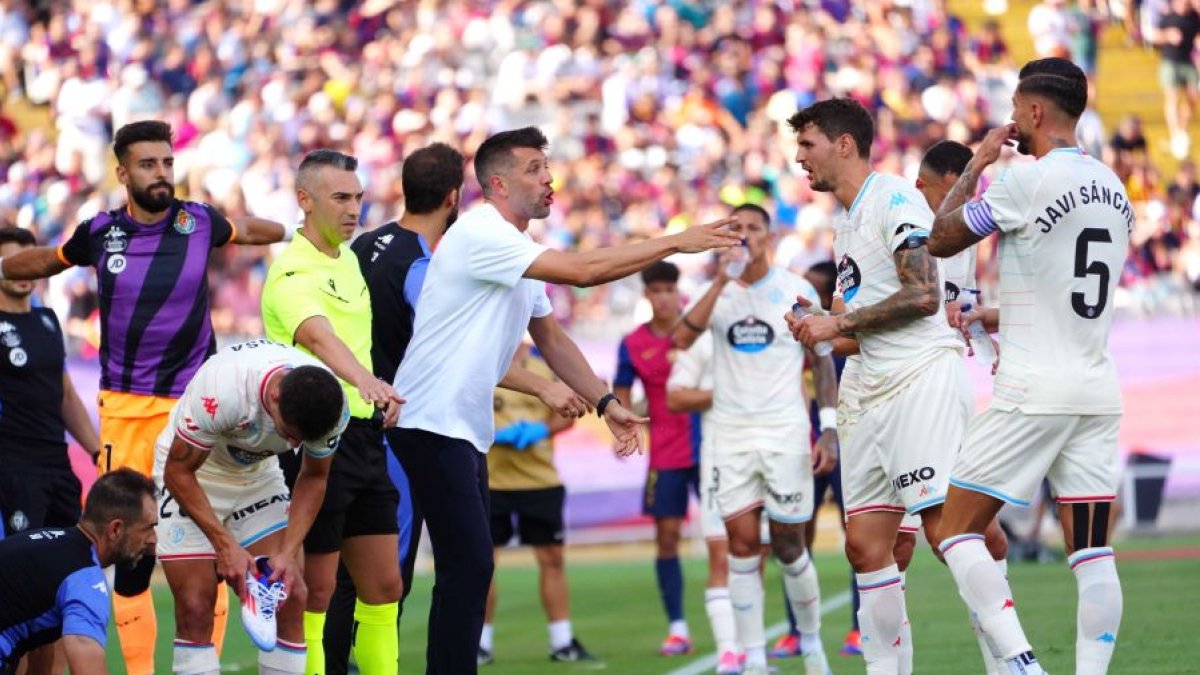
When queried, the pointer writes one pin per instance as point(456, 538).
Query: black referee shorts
point(360, 498)
point(539, 516)
point(35, 497)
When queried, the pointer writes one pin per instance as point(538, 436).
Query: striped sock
point(1100, 607)
point(881, 619)
point(288, 658)
point(986, 592)
point(194, 658)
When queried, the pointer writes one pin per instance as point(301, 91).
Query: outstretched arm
point(603, 265)
point(38, 262)
point(252, 231)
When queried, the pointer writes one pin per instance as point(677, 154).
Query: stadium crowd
point(657, 112)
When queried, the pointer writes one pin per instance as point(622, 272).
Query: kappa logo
point(1107, 637)
point(101, 587)
point(115, 241)
point(49, 323)
point(210, 406)
point(898, 199)
point(1008, 604)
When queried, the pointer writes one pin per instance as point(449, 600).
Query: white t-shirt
point(692, 369)
point(757, 366)
point(223, 411)
point(887, 210)
point(1064, 225)
point(475, 308)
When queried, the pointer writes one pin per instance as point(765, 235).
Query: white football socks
point(746, 595)
point(720, 616)
point(195, 658)
point(881, 618)
point(1099, 612)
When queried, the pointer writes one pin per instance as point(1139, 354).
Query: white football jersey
point(1064, 225)
point(757, 366)
point(692, 369)
point(223, 411)
point(887, 210)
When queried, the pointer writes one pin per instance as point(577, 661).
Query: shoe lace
point(267, 597)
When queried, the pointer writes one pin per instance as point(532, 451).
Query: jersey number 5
point(1083, 269)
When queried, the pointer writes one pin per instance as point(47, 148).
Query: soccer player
point(524, 485)
point(483, 290)
point(53, 583)
point(223, 501)
point(37, 486)
point(1063, 223)
point(646, 354)
point(315, 298)
point(915, 397)
point(690, 389)
point(151, 261)
point(759, 434)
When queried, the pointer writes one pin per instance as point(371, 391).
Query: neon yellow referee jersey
point(302, 283)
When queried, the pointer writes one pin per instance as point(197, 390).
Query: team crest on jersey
point(18, 522)
point(751, 335)
point(185, 223)
point(115, 241)
point(849, 278)
point(49, 323)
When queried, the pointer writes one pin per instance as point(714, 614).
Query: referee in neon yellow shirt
point(315, 298)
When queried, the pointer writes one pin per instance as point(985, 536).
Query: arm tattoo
point(950, 233)
point(918, 296)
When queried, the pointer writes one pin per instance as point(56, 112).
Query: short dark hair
point(323, 157)
point(17, 235)
point(495, 153)
point(836, 116)
point(827, 269)
point(117, 495)
point(428, 175)
point(140, 132)
point(311, 399)
point(754, 208)
point(1067, 94)
point(947, 157)
point(661, 271)
point(1052, 66)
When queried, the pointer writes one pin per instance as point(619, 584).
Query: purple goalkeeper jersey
point(152, 280)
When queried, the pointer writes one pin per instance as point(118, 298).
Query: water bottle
point(821, 349)
point(981, 342)
point(738, 259)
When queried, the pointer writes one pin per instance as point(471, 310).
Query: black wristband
point(693, 327)
point(604, 401)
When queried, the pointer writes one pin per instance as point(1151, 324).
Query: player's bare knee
point(867, 555)
point(902, 551)
point(744, 547)
point(194, 617)
point(787, 543)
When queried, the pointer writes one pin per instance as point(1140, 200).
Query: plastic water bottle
point(981, 342)
point(821, 349)
point(738, 259)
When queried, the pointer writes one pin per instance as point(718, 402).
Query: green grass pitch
point(617, 615)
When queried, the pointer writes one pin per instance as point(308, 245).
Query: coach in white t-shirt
point(485, 287)
point(1063, 223)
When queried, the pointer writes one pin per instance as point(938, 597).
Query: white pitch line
point(709, 662)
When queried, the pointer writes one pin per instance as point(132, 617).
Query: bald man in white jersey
point(1063, 224)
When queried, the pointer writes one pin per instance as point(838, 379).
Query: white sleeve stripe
point(978, 216)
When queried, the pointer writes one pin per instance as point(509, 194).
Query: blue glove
point(532, 433)
point(523, 434)
point(509, 434)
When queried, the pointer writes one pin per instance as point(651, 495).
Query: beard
point(818, 185)
point(151, 201)
point(451, 217)
point(1023, 143)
